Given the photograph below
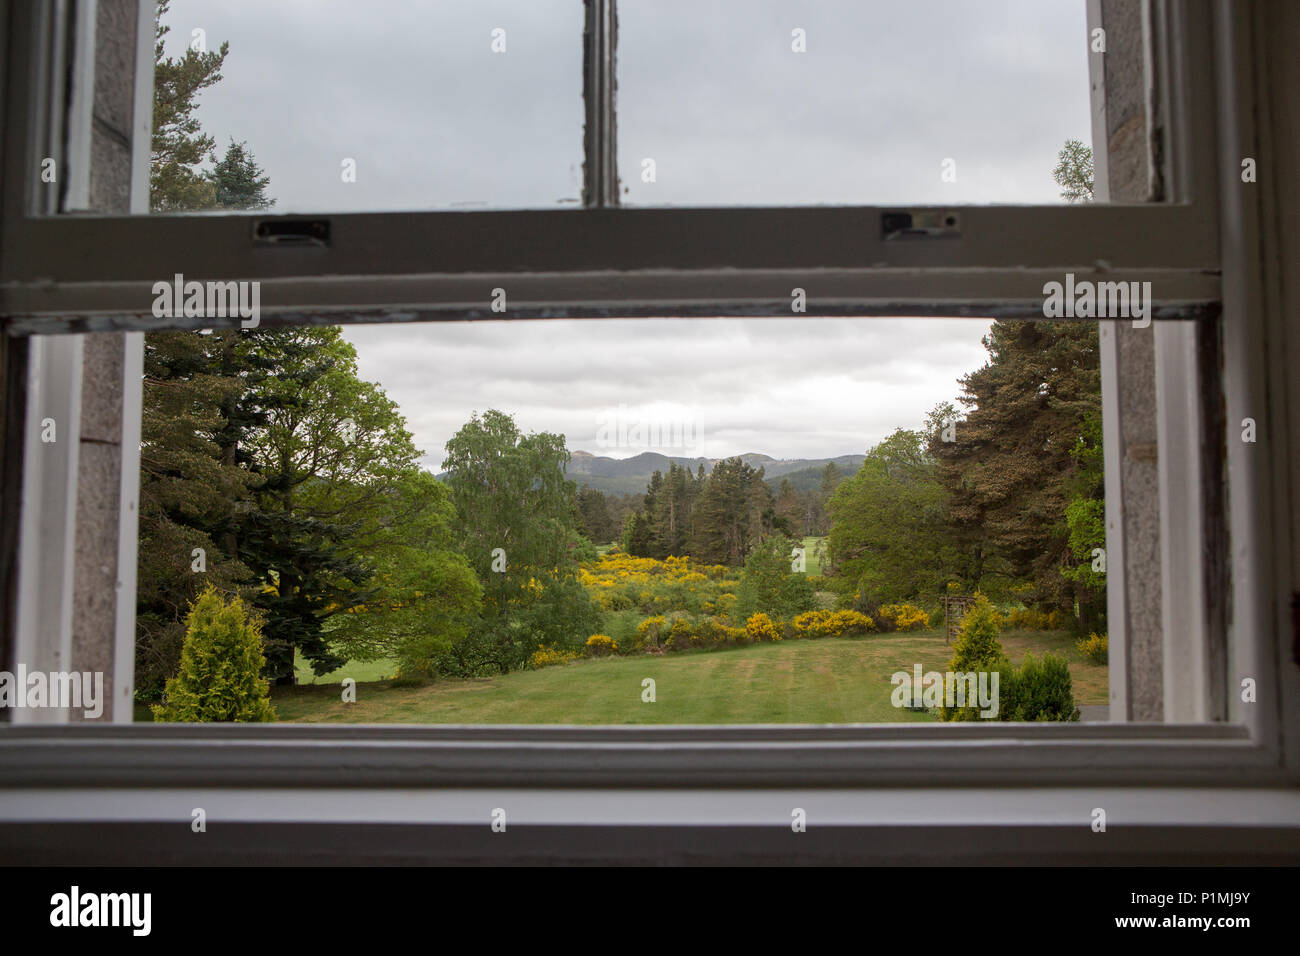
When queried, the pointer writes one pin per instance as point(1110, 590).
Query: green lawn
point(813, 563)
point(358, 671)
point(830, 680)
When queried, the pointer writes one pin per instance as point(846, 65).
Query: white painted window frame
point(83, 273)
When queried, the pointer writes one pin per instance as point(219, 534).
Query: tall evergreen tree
point(594, 520)
point(238, 182)
point(1008, 471)
point(179, 144)
point(790, 510)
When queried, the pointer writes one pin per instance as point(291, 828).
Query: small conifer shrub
point(220, 677)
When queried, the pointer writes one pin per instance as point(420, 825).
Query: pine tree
point(237, 181)
point(790, 509)
point(179, 145)
point(330, 449)
point(732, 513)
point(1008, 472)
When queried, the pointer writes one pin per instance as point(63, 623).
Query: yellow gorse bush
point(1094, 647)
point(832, 624)
point(545, 656)
point(600, 644)
point(1027, 619)
point(619, 582)
point(906, 617)
point(760, 628)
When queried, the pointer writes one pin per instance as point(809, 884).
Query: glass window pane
point(382, 106)
point(849, 101)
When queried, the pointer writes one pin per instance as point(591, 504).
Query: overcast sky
point(712, 92)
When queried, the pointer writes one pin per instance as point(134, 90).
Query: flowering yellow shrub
point(1027, 619)
point(546, 656)
point(599, 645)
point(832, 623)
point(651, 628)
point(714, 631)
point(1094, 647)
point(681, 635)
point(809, 624)
point(905, 617)
point(840, 623)
point(760, 628)
point(618, 582)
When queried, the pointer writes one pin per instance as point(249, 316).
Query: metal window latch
point(921, 224)
point(291, 232)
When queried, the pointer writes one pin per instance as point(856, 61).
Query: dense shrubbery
point(769, 585)
point(1037, 690)
point(547, 656)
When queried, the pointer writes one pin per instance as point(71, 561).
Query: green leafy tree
point(889, 536)
point(221, 665)
point(515, 524)
point(1074, 172)
point(424, 596)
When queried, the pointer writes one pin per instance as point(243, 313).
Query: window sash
point(614, 261)
point(624, 262)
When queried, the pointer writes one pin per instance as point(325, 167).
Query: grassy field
point(831, 680)
point(813, 562)
point(358, 671)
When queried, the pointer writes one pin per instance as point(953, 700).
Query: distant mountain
point(631, 475)
point(624, 476)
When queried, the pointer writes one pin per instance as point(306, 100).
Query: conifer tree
point(220, 677)
point(179, 144)
point(238, 182)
